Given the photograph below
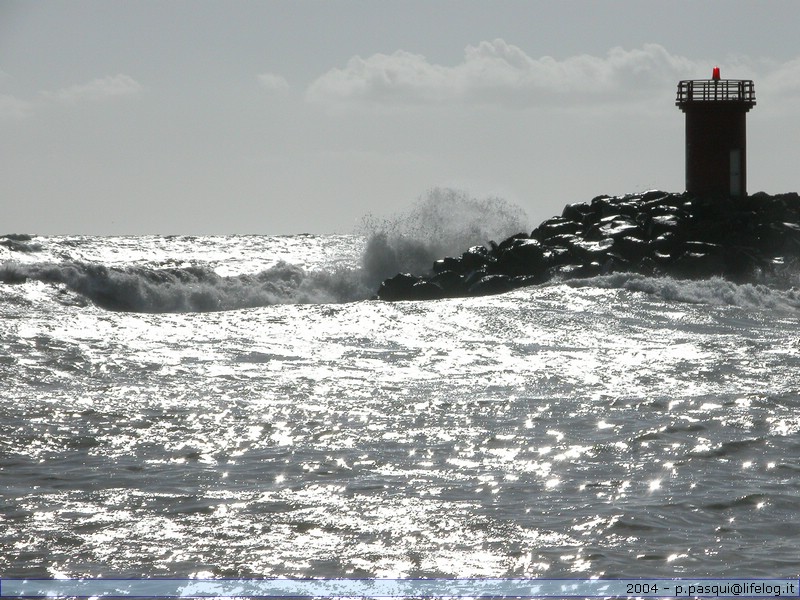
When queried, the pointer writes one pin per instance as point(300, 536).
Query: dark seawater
point(238, 406)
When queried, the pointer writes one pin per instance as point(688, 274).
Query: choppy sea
point(239, 406)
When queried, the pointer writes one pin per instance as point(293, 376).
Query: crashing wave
point(406, 242)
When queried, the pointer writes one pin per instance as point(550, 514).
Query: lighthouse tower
point(716, 138)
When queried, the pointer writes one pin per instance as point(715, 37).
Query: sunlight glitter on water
point(549, 431)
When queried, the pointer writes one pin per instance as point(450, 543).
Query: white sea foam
point(715, 291)
point(551, 432)
point(444, 222)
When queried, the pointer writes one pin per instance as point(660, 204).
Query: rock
point(615, 264)
point(555, 226)
point(564, 240)
point(509, 242)
point(491, 284)
point(474, 259)
point(576, 213)
point(426, 290)
point(631, 248)
point(619, 227)
point(452, 283)
point(702, 247)
point(651, 195)
point(557, 256)
point(648, 266)
point(666, 243)
point(577, 271)
point(522, 257)
point(741, 263)
point(652, 233)
point(661, 224)
point(473, 277)
point(447, 264)
point(593, 251)
point(398, 287)
point(694, 265)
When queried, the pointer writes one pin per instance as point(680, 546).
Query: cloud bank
point(97, 90)
point(498, 73)
point(13, 108)
point(273, 82)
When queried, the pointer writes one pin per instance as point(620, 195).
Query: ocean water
point(239, 407)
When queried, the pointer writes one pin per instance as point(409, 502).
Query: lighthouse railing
point(716, 90)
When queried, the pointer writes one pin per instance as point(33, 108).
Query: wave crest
point(714, 291)
point(190, 289)
point(446, 221)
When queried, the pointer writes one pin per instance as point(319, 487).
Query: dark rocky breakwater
point(653, 233)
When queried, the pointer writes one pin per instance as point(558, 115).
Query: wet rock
point(648, 266)
point(451, 283)
point(555, 226)
point(580, 271)
point(576, 213)
point(476, 257)
point(522, 257)
point(661, 224)
point(593, 250)
point(509, 242)
point(426, 290)
point(666, 243)
point(557, 256)
point(399, 287)
point(447, 264)
point(790, 236)
point(564, 240)
point(698, 247)
point(651, 195)
point(694, 265)
point(615, 264)
point(631, 248)
point(653, 233)
point(619, 227)
point(473, 277)
point(491, 284)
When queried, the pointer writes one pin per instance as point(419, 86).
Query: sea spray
point(655, 233)
point(445, 221)
point(713, 291)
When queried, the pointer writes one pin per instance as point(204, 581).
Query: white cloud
point(97, 90)
point(499, 73)
point(13, 108)
point(783, 79)
point(273, 82)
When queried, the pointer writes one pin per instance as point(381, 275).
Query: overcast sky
point(139, 116)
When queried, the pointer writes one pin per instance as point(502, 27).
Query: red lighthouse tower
point(716, 135)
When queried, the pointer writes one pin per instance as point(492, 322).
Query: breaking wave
point(189, 289)
point(714, 291)
point(444, 222)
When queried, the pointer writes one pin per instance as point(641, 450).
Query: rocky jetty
point(653, 233)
